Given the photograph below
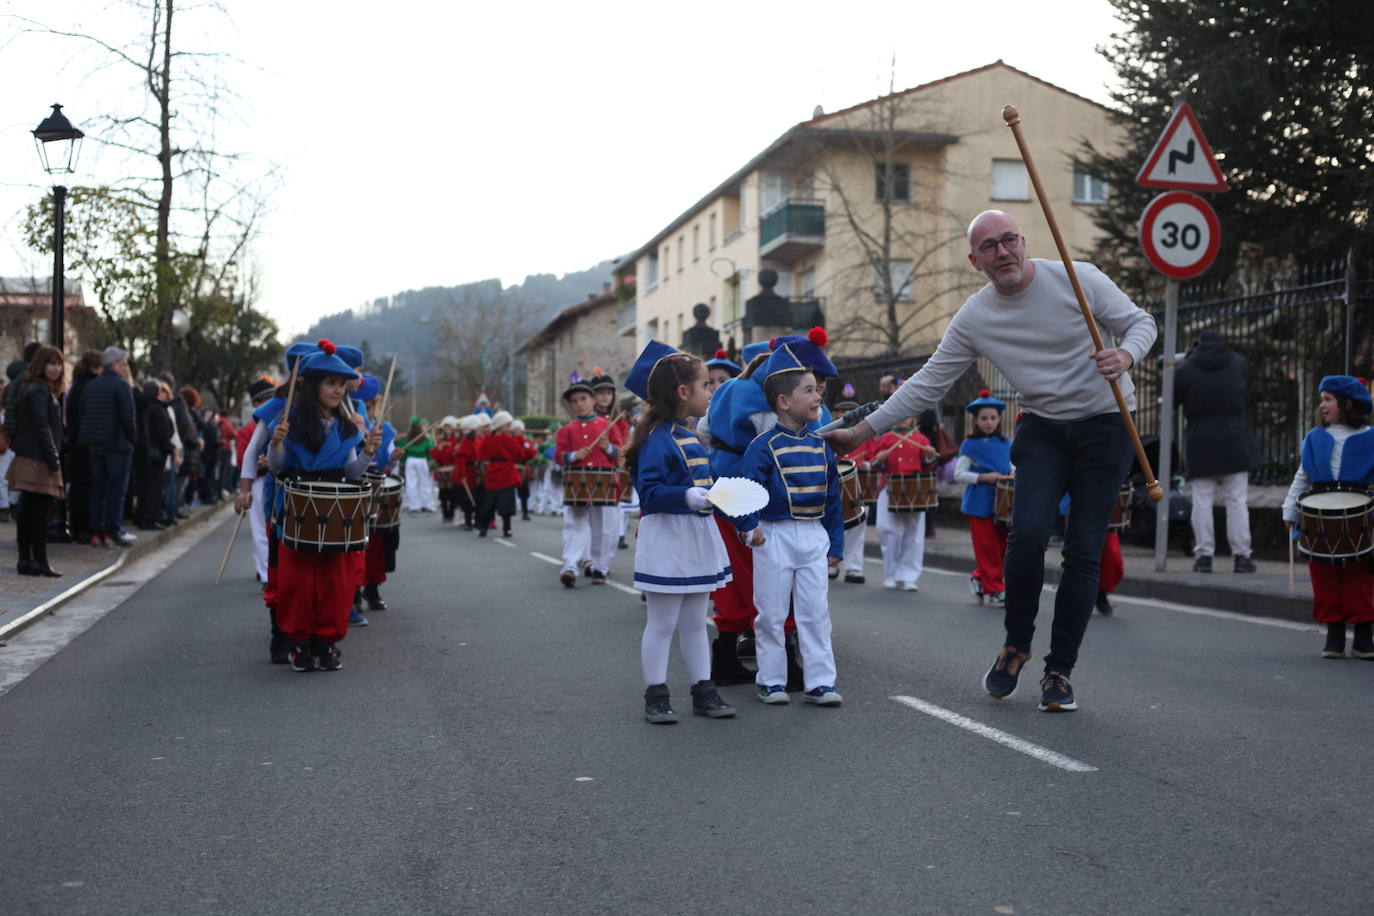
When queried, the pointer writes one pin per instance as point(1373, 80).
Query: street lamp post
point(59, 144)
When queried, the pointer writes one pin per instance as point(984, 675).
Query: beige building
point(26, 315)
point(862, 213)
point(580, 338)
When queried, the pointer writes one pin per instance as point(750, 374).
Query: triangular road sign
point(1181, 157)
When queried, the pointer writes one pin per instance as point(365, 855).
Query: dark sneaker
point(620, 546)
point(1000, 681)
point(856, 578)
point(1363, 644)
point(568, 578)
point(280, 649)
point(657, 708)
point(598, 577)
point(356, 618)
point(997, 599)
point(328, 656)
point(747, 648)
point(1335, 641)
point(1245, 564)
point(773, 694)
point(1202, 564)
point(706, 701)
point(303, 657)
point(823, 696)
point(373, 596)
point(1056, 693)
point(1104, 605)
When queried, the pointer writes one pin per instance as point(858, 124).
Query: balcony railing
point(792, 229)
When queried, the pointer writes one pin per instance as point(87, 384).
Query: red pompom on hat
point(985, 393)
point(1364, 382)
point(818, 336)
point(721, 354)
point(772, 343)
point(326, 346)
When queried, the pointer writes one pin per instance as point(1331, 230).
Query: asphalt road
point(483, 751)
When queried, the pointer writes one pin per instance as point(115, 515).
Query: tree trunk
point(161, 86)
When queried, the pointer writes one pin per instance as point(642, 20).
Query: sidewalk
point(81, 565)
point(1264, 593)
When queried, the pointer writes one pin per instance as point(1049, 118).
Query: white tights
point(687, 615)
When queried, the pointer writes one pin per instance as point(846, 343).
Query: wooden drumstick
point(1289, 531)
point(386, 394)
point(290, 396)
point(1013, 119)
point(230, 549)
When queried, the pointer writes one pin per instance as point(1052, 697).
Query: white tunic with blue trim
point(679, 549)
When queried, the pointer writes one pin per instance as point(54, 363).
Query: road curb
point(146, 544)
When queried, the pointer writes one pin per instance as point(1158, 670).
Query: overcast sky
point(433, 144)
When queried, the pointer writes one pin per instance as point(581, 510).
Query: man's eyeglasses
point(1007, 241)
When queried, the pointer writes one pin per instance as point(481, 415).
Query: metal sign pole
point(1166, 423)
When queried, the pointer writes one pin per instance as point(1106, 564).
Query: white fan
point(736, 496)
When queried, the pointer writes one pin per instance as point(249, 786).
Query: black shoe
point(598, 577)
point(1202, 564)
point(27, 568)
point(746, 647)
point(1245, 564)
point(726, 669)
point(302, 657)
point(507, 534)
point(657, 708)
point(45, 570)
point(373, 596)
point(328, 656)
point(622, 545)
point(280, 649)
point(707, 702)
point(1056, 693)
point(1104, 605)
point(568, 578)
point(1335, 641)
point(1363, 644)
point(482, 533)
point(856, 578)
point(525, 517)
point(1000, 681)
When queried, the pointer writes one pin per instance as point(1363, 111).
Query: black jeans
point(1087, 459)
point(31, 527)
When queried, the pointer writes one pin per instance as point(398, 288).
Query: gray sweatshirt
point(1038, 341)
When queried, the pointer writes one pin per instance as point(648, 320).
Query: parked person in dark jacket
point(37, 465)
point(76, 469)
point(1218, 452)
point(209, 457)
point(108, 430)
point(189, 441)
point(155, 457)
point(16, 371)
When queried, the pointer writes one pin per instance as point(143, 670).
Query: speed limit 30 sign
point(1180, 234)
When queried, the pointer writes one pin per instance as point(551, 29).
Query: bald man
point(1070, 437)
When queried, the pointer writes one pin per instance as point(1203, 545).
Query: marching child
point(1339, 453)
point(382, 543)
point(465, 457)
point(901, 534)
point(315, 440)
point(584, 443)
point(679, 555)
point(984, 459)
point(501, 453)
point(445, 458)
point(798, 530)
point(613, 520)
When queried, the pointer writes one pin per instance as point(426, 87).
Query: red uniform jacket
point(242, 438)
point(906, 458)
point(579, 434)
point(465, 461)
point(445, 454)
point(502, 452)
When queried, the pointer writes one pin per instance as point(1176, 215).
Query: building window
point(898, 188)
point(696, 241)
point(900, 274)
point(1009, 180)
point(711, 232)
point(667, 262)
point(681, 252)
point(651, 271)
point(1088, 188)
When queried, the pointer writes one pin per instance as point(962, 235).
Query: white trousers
point(1234, 492)
point(903, 539)
point(584, 537)
point(854, 548)
point(418, 493)
point(666, 614)
point(790, 567)
point(257, 523)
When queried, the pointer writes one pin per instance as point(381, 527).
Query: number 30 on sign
point(1180, 234)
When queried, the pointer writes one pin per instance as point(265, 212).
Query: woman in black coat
point(37, 466)
point(151, 460)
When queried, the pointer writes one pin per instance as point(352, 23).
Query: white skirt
point(680, 553)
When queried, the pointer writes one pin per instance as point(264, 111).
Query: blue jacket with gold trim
point(798, 470)
point(671, 461)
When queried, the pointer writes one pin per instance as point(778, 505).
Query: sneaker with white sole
point(909, 586)
point(1001, 679)
point(823, 696)
point(303, 657)
point(774, 694)
point(998, 599)
point(976, 588)
point(1056, 693)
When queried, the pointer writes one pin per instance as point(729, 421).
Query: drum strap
point(718, 443)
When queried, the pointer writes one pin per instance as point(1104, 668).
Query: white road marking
point(624, 588)
point(506, 543)
point(1043, 754)
point(546, 558)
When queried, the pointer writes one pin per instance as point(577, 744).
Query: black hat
point(579, 386)
point(603, 381)
point(259, 388)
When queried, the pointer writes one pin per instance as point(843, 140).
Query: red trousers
point(375, 563)
point(1112, 568)
point(314, 593)
point(989, 550)
point(1342, 593)
point(734, 601)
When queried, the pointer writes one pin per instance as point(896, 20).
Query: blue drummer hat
point(722, 361)
point(326, 362)
point(369, 389)
point(638, 379)
point(1347, 386)
point(298, 350)
point(985, 399)
point(782, 359)
point(754, 349)
point(350, 355)
point(807, 350)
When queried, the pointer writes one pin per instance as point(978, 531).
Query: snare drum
point(913, 492)
point(444, 476)
point(850, 496)
point(1006, 498)
point(590, 487)
point(622, 480)
point(1121, 509)
point(1336, 523)
point(870, 485)
point(386, 508)
point(325, 516)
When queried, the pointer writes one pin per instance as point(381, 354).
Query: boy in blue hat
point(1339, 455)
point(801, 530)
point(984, 459)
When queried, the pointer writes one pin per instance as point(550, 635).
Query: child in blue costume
point(984, 459)
point(679, 555)
point(797, 531)
point(382, 543)
point(313, 439)
point(1339, 454)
